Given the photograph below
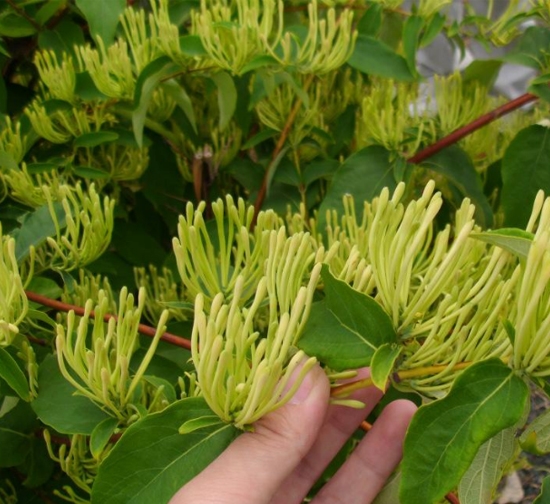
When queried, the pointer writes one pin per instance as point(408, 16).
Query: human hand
point(280, 461)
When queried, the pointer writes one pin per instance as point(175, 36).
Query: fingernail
point(303, 390)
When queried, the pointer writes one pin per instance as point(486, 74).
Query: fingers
point(364, 474)
point(340, 424)
point(255, 465)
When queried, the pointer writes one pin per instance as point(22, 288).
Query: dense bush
point(195, 194)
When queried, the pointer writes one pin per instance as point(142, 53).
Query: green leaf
point(15, 26)
point(191, 45)
point(514, 240)
point(227, 97)
point(382, 364)
point(152, 461)
point(35, 228)
point(493, 458)
point(363, 175)
point(199, 423)
point(390, 492)
point(95, 138)
point(484, 72)
point(16, 432)
point(433, 29)
point(411, 39)
point(89, 172)
point(58, 405)
point(445, 435)
point(176, 91)
point(48, 10)
point(320, 168)
point(260, 137)
point(15, 378)
point(149, 78)
point(536, 437)
point(38, 466)
point(531, 49)
point(101, 435)
point(544, 496)
point(63, 39)
point(373, 57)
point(260, 61)
point(136, 245)
point(455, 164)
point(45, 286)
point(524, 173)
point(371, 20)
point(102, 17)
point(345, 329)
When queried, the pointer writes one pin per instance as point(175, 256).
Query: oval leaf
point(493, 458)
point(95, 138)
point(101, 435)
point(227, 97)
point(445, 436)
point(152, 461)
point(382, 364)
point(373, 57)
point(58, 406)
point(102, 16)
point(513, 240)
point(15, 378)
point(524, 173)
point(345, 329)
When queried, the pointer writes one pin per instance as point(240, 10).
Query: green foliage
point(264, 180)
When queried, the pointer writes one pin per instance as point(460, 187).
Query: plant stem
point(23, 14)
point(344, 390)
point(466, 130)
point(280, 144)
point(142, 328)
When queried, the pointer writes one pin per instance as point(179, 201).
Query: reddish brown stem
point(142, 328)
point(452, 498)
point(460, 133)
point(280, 144)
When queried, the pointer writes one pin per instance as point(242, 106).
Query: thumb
point(254, 466)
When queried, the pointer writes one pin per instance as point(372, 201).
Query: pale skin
point(280, 461)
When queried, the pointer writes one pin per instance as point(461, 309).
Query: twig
point(142, 328)
point(347, 388)
point(22, 13)
point(466, 130)
point(280, 144)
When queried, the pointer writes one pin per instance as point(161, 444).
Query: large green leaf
point(373, 57)
point(482, 477)
point(544, 496)
point(524, 172)
point(58, 406)
point(531, 50)
point(151, 461)
point(16, 432)
point(11, 372)
point(412, 30)
point(35, 227)
point(345, 329)
point(445, 436)
point(536, 437)
point(363, 175)
point(227, 97)
point(102, 17)
point(150, 77)
point(457, 167)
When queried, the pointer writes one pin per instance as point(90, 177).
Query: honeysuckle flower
point(242, 374)
point(98, 366)
point(210, 259)
point(13, 301)
point(88, 226)
point(59, 78)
